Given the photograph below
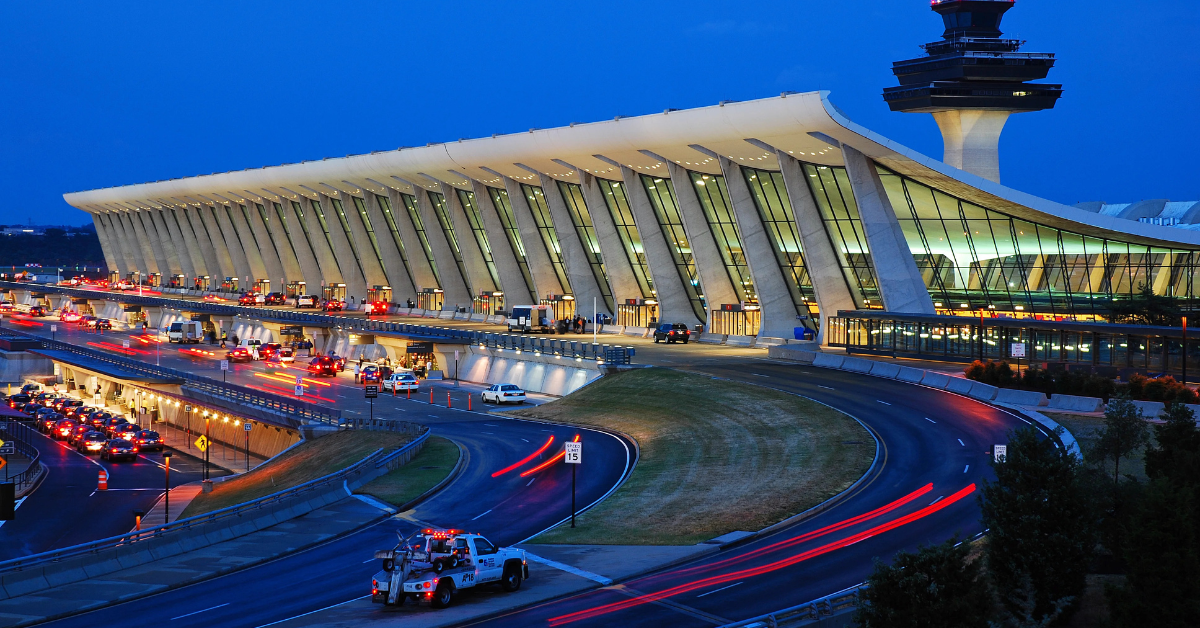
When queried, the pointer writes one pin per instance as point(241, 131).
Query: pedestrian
point(235, 340)
point(411, 305)
point(357, 371)
point(223, 338)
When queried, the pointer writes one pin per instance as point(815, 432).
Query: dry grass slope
point(306, 461)
point(436, 460)
point(716, 456)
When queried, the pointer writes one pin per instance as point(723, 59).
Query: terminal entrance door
point(430, 299)
point(379, 294)
point(563, 306)
point(419, 358)
point(488, 302)
point(114, 277)
point(334, 292)
point(262, 286)
point(230, 284)
point(178, 281)
point(637, 312)
point(134, 277)
point(736, 319)
point(154, 280)
point(296, 288)
point(203, 283)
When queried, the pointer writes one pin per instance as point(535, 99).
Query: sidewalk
point(220, 455)
point(181, 496)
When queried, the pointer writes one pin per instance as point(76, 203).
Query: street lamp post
point(207, 447)
point(167, 495)
point(1183, 353)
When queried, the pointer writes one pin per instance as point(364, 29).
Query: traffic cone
point(447, 400)
point(103, 486)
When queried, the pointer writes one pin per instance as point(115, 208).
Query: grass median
point(307, 461)
point(716, 456)
point(437, 459)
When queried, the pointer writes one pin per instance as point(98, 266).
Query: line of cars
point(89, 430)
point(86, 321)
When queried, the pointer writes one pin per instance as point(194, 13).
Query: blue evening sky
point(98, 94)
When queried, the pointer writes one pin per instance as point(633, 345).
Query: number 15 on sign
point(574, 457)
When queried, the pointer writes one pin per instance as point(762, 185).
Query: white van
point(190, 332)
point(531, 318)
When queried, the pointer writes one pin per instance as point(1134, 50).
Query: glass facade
point(385, 208)
point(830, 187)
point(973, 258)
point(361, 205)
point(718, 211)
point(545, 226)
point(666, 210)
point(504, 209)
point(582, 220)
point(775, 210)
point(467, 198)
point(443, 216)
point(283, 226)
point(622, 217)
point(237, 237)
point(299, 209)
point(341, 215)
point(410, 203)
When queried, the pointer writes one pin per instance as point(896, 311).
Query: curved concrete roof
point(806, 125)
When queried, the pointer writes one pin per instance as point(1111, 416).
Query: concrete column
point(144, 218)
point(512, 281)
point(584, 284)
point(356, 283)
point(129, 246)
point(306, 255)
point(710, 265)
point(612, 249)
point(971, 140)
point(825, 264)
point(422, 273)
point(194, 218)
point(478, 276)
point(107, 245)
point(285, 243)
point(270, 248)
point(536, 256)
point(229, 248)
point(327, 263)
point(227, 265)
point(454, 289)
point(778, 309)
point(393, 262)
point(372, 267)
point(673, 302)
point(250, 245)
point(138, 237)
point(179, 224)
point(173, 245)
point(900, 284)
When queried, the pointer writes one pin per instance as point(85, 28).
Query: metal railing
point(232, 393)
point(20, 435)
point(559, 349)
point(374, 460)
point(817, 610)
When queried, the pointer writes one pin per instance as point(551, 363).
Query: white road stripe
point(481, 514)
point(200, 611)
point(721, 589)
point(569, 569)
point(936, 500)
point(931, 420)
point(531, 480)
point(16, 506)
point(361, 597)
point(965, 468)
point(961, 443)
point(883, 402)
point(825, 387)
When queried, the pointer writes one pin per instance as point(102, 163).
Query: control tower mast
point(971, 81)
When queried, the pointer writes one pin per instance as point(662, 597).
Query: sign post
point(1018, 352)
point(456, 367)
point(53, 330)
point(573, 457)
point(1000, 452)
point(371, 391)
point(299, 387)
point(224, 369)
point(247, 429)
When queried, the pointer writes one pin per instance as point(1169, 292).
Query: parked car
point(504, 393)
point(101, 323)
point(377, 308)
point(672, 332)
point(323, 365)
point(370, 374)
point(91, 443)
point(401, 381)
point(334, 306)
point(62, 429)
point(286, 355)
point(307, 300)
point(77, 433)
point(18, 400)
point(147, 440)
point(275, 298)
point(268, 350)
point(119, 449)
point(252, 298)
point(125, 430)
point(240, 354)
point(112, 424)
point(47, 422)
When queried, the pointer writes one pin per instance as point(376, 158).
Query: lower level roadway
point(923, 490)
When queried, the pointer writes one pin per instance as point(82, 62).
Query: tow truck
point(434, 565)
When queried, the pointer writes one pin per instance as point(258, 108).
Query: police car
point(434, 565)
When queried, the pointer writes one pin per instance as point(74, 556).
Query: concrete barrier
point(857, 365)
point(1021, 397)
point(829, 360)
point(982, 391)
point(910, 374)
point(1077, 404)
point(885, 369)
point(739, 341)
point(936, 380)
point(1150, 409)
point(960, 385)
point(712, 339)
point(784, 352)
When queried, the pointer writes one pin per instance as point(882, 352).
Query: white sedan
point(504, 393)
point(401, 381)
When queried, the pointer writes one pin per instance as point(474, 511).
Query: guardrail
point(820, 609)
point(19, 434)
point(370, 464)
point(239, 395)
point(546, 346)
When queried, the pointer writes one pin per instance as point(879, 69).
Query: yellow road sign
point(202, 443)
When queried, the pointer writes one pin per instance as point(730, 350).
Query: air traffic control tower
point(971, 81)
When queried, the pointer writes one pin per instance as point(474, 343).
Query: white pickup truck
point(439, 563)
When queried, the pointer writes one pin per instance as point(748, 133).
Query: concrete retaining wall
point(1077, 404)
point(1150, 409)
point(1021, 397)
point(544, 374)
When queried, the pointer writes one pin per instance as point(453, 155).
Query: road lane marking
point(367, 560)
point(825, 387)
point(719, 590)
point(936, 500)
point(965, 468)
point(488, 433)
point(531, 481)
point(200, 611)
point(491, 425)
point(961, 443)
point(361, 597)
point(15, 507)
point(883, 402)
point(569, 569)
point(931, 420)
point(760, 375)
point(525, 439)
point(481, 514)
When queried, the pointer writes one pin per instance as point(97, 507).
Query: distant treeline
point(58, 247)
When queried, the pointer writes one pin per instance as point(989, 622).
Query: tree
point(1024, 598)
point(1177, 455)
point(1125, 431)
point(937, 586)
point(1040, 525)
point(1146, 308)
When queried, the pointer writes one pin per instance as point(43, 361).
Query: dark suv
point(276, 298)
point(672, 332)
